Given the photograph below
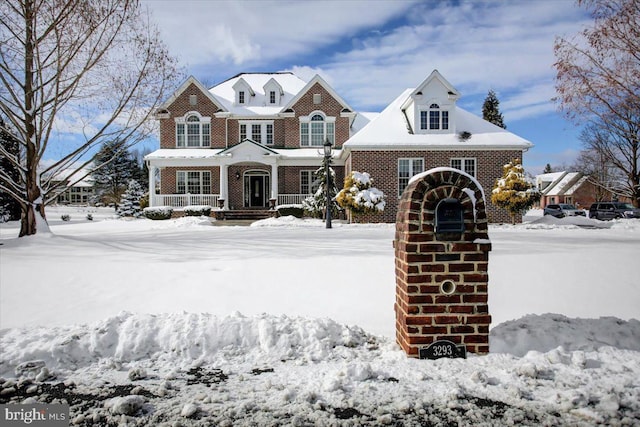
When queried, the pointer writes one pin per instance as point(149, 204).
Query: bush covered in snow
point(290, 210)
point(359, 196)
point(158, 212)
point(512, 192)
point(130, 201)
point(197, 210)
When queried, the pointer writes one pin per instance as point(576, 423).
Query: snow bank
point(291, 221)
point(131, 337)
point(265, 370)
point(546, 332)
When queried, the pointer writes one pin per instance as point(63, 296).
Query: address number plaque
point(443, 348)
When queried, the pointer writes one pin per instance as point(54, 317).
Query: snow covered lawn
point(138, 321)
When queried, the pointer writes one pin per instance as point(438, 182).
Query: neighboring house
point(256, 139)
point(78, 193)
point(572, 188)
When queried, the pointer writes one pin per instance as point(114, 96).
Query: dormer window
point(434, 118)
point(272, 97)
point(241, 97)
point(193, 130)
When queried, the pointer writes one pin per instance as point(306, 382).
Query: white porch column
point(224, 184)
point(274, 181)
point(152, 184)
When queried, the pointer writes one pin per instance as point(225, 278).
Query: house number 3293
point(443, 348)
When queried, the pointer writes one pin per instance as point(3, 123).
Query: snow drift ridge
point(130, 337)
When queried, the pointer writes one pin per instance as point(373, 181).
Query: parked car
point(561, 210)
point(612, 210)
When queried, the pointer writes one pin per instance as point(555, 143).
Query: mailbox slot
point(449, 219)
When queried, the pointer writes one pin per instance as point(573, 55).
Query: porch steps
point(247, 214)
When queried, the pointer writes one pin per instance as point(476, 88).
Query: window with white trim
point(434, 118)
point(465, 164)
point(260, 132)
point(193, 130)
point(193, 182)
point(308, 182)
point(315, 129)
point(241, 97)
point(272, 97)
point(406, 169)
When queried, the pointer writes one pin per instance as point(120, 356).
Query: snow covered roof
point(190, 153)
point(181, 153)
point(564, 183)
point(258, 102)
point(71, 175)
point(361, 120)
point(191, 80)
point(389, 130)
point(544, 181)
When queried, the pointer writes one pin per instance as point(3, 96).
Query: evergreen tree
point(317, 203)
point(491, 110)
point(547, 169)
point(359, 195)
point(115, 166)
point(130, 201)
point(513, 192)
point(9, 158)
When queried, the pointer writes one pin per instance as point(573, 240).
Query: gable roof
point(561, 183)
point(191, 80)
point(435, 75)
point(258, 103)
point(389, 131)
point(319, 80)
point(254, 146)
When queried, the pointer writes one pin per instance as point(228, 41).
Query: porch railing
point(291, 199)
point(182, 200)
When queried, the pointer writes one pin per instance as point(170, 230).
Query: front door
point(256, 189)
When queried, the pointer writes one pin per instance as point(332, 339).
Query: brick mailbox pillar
point(441, 253)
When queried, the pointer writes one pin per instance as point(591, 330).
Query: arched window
point(315, 129)
point(193, 130)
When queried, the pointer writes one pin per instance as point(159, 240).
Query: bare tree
point(598, 83)
point(94, 68)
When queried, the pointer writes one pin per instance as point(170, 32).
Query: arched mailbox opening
point(449, 221)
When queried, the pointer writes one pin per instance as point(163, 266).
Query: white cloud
point(208, 32)
point(477, 46)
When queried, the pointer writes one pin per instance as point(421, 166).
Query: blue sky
point(370, 51)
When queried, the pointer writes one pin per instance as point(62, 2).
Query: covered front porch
point(247, 176)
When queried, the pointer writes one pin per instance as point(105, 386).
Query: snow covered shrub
point(512, 192)
point(197, 210)
point(158, 212)
point(89, 217)
point(287, 210)
point(359, 196)
point(65, 217)
point(130, 201)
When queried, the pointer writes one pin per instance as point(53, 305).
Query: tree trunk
point(28, 220)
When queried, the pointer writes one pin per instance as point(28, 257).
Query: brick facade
point(382, 165)
point(441, 285)
point(383, 168)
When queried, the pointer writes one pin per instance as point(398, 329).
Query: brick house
point(258, 137)
point(572, 188)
